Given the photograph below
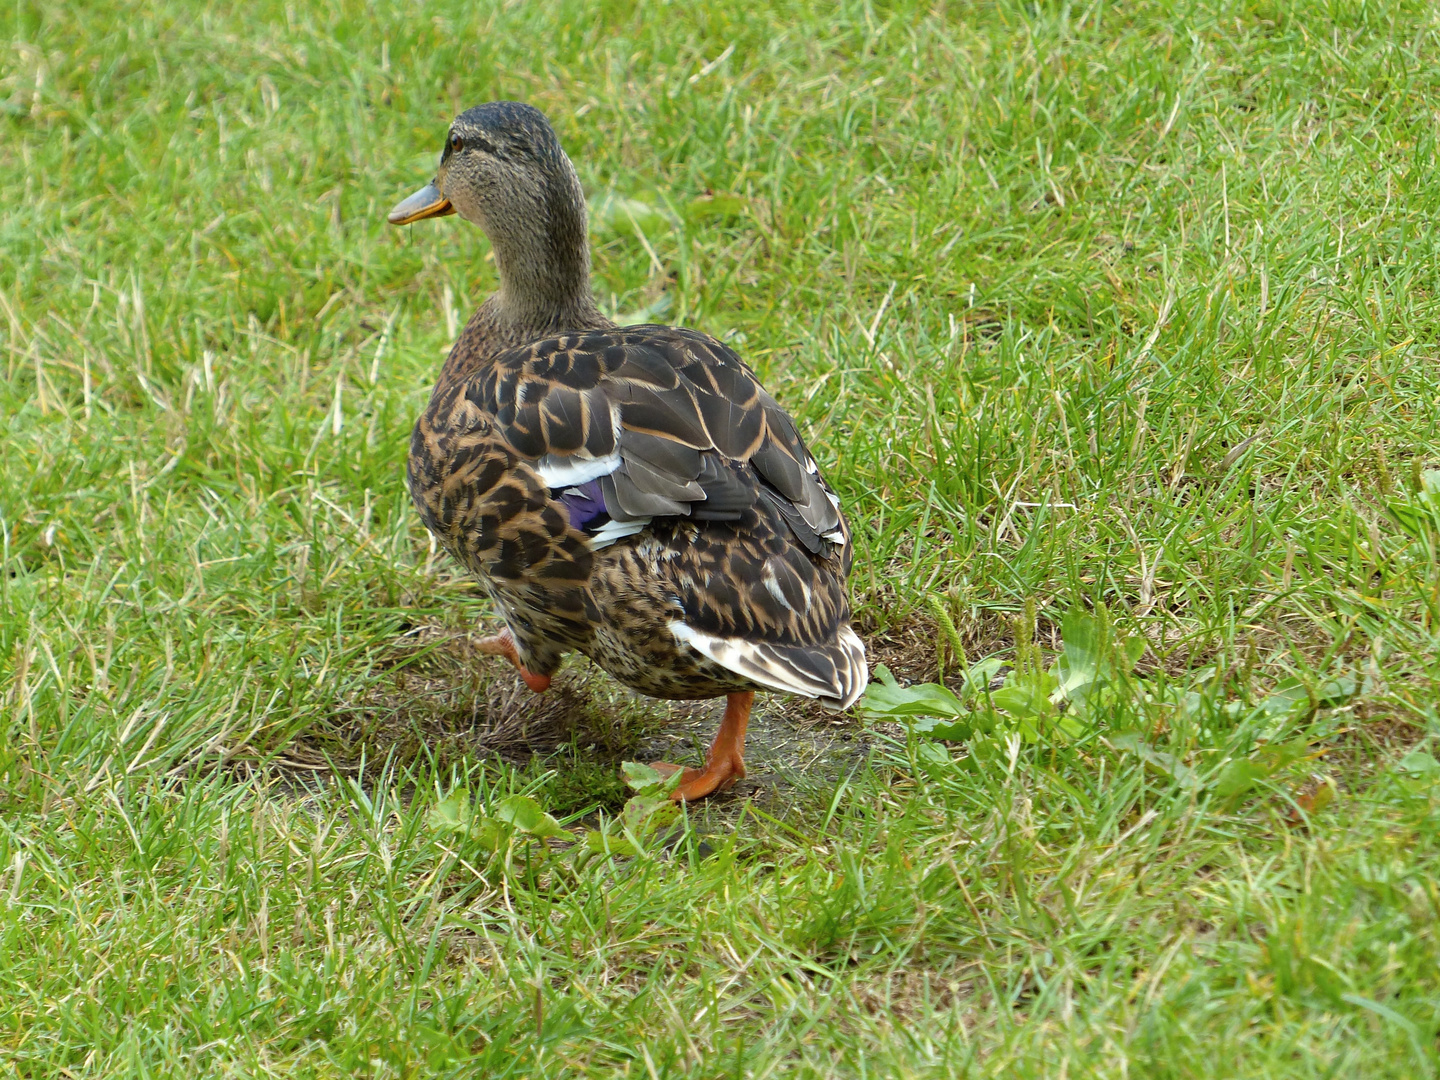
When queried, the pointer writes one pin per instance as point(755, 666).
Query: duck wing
point(629, 425)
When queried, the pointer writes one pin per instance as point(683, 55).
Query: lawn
point(1116, 328)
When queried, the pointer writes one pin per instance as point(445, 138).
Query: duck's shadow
point(442, 699)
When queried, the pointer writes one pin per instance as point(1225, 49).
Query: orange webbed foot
point(503, 644)
point(725, 764)
point(697, 783)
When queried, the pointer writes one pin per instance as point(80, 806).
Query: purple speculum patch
point(586, 504)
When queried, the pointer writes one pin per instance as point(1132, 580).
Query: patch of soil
point(786, 750)
point(441, 693)
point(441, 696)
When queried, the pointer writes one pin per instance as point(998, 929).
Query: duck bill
point(427, 202)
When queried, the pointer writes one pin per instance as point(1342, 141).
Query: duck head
point(503, 169)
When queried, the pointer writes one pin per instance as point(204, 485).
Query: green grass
point(1077, 304)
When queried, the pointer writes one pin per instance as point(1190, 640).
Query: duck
point(631, 493)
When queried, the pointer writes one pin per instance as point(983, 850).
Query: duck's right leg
point(725, 764)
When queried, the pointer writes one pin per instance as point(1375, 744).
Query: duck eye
point(456, 143)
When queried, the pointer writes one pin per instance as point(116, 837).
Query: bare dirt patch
point(786, 748)
point(440, 696)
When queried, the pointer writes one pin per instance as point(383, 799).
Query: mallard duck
point(631, 493)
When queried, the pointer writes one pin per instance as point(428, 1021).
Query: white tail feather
point(769, 665)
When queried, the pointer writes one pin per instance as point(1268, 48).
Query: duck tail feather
point(835, 673)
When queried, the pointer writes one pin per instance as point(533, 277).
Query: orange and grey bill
point(427, 202)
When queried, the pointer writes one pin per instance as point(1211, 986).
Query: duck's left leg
point(502, 644)
point(725, 763)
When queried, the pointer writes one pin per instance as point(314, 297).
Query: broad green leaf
point(1418, 771)
point(934, 728)
point(1418, 763)
point(980, 751)
point(1277, 755)
point(1027, 728)
point(1412, 519)
point(1027, 696)
point(934, 760)
point(1287, 697)
point(643, 814)
point(527, 815)
point(490, 834)
point(887, 699)
point(1323, 796)
point(1079, 663)
point(645, 780)
point(607, 843)
point(977, 679)
point(1239, 776)
point(451, 814)
point(1336, 691)
point(1158, 760)
point(640, 776)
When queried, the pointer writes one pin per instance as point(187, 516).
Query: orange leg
point(502, 644)
point(725, 763)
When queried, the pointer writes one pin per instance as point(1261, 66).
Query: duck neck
point(542, 254)
point(543, 258)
